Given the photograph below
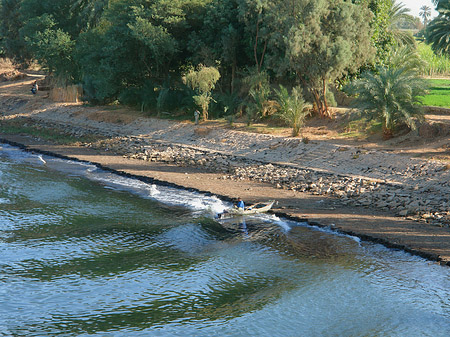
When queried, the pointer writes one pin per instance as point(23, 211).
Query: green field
point(434, 64)
point(438, 93)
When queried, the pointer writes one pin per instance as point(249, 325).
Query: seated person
point(240, 204)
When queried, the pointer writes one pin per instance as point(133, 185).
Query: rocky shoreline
point(421, 202)
point(425, 201)
point(412, 189)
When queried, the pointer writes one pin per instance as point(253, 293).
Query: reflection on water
point(86, 253)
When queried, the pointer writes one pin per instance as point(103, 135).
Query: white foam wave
point(330, 230)
point(41, 159)
point(164, 194)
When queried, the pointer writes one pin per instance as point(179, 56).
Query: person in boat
point(240, 204)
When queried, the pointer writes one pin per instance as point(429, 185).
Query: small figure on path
point(196, 115)
point(34, 88)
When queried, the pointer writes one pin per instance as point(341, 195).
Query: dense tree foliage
point(388, 16)
point(138, 51)
point(13, 45)
point(328, 39)
point(438, 32)
point(202, 81)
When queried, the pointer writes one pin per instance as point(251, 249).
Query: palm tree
point(438, 32)
point(292, 109)
point(397, 12)
point(406, 57)
point(425, 13)
point(390, 95)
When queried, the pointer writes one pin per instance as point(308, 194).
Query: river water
point(84, 252)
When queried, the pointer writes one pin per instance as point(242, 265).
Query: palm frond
point(389, 95)
point(438, 32)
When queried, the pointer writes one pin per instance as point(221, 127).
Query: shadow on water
point(227, 298)
point(103, 265)
point(298, 241)
point(225, 303)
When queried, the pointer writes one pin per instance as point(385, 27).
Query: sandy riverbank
point(237, 164)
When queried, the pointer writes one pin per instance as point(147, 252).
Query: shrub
point(202, 81)
point(292, 108)
point(391, 95)
point(435, 63)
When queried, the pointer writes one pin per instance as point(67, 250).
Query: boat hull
point(254, 209)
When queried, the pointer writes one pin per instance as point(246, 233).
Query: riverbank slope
point(386, 196)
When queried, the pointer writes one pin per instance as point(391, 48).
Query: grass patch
point(15, 127)
point(438, 93)
point(264, 129)
point(362, 128)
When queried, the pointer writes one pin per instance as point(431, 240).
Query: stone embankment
point(412, 188)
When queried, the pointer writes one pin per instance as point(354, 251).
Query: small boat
point(253, 209)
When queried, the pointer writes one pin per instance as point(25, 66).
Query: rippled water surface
point(86, 253)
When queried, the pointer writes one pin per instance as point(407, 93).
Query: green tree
point(13, 44)
point(61, 13)
point(327, 40)
point(53, 48)
point(109, 56)
point(382, 37)
point(388, 17)
point(159, 45)
point(222, 37)
point(397, 13)
point(406, 57)
point(88, 12)
point(292, 108)
point(202, 81)
point(256, 84)
point(256, 17)
point(136, 42)
point(425, 13)
point(390, 96)
point(438, 31)
point(50, 30)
